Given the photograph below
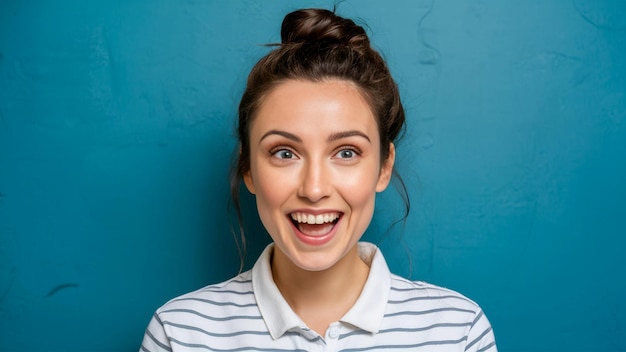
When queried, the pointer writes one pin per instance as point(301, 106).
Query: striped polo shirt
point(248, 313)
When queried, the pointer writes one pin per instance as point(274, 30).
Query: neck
point(320, 297)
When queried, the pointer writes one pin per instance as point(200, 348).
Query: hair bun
point(315, 26)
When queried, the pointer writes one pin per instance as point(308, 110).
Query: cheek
point(272, 189)
point(359, 188)
point(361, 200)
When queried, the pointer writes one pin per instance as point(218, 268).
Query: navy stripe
point(433, 326)
point(408, 289)
point(428, 298)
point(449, 309)
point(248, 348)
point(488, 330)
point(237, 333)
point(388, 347)
point(488, 347)
point(478, 316)
point(220, 291)
point(215, 303)
point(233, 317)
point(162, 345)
point(221, 285)
point(236, 280)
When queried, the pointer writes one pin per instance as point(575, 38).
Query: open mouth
point(315, 225)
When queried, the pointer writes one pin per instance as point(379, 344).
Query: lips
point(315, 229)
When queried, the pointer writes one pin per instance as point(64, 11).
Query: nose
point(315, 182)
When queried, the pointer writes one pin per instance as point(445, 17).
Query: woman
point(317, 123)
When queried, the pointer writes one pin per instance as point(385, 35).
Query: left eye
point(346, 154)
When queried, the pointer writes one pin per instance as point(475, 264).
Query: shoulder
point(235, 292)
point(407, 294)
point(212, 314)
point(439, 313)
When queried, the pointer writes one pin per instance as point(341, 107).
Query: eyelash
point(272, 151)
point(350, 148)
point(279, 148)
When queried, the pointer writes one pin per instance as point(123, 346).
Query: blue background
point(116, 132)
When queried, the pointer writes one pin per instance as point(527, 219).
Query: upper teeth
point(314, 219)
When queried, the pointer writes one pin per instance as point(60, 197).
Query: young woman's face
point(315, 169)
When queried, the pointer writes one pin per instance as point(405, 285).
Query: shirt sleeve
point(155, 339)
point(480, 337)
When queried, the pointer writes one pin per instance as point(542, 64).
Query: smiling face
point(315, 169)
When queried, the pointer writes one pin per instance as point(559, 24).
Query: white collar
point(366, 313)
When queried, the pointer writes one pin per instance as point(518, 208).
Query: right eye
point(283, 154)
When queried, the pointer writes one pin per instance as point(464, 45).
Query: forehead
point(314, 106)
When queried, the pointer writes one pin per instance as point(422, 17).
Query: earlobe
point(247, 179)
point(386, 170)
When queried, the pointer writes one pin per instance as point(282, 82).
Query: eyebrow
point(333, 137)
point(287, 135)
point(345, 134)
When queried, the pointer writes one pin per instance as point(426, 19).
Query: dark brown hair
point(318, 45)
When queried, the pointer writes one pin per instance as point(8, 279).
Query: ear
point(386, 170)
point(247, 179)
point(247, 175)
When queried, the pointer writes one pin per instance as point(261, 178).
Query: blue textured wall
point(116, 123)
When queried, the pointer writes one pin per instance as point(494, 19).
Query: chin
point(318, 260)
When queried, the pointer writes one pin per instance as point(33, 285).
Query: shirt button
point(333, 333)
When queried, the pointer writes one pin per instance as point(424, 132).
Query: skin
point(315, 150)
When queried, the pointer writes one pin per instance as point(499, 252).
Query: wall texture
point(116, 122)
